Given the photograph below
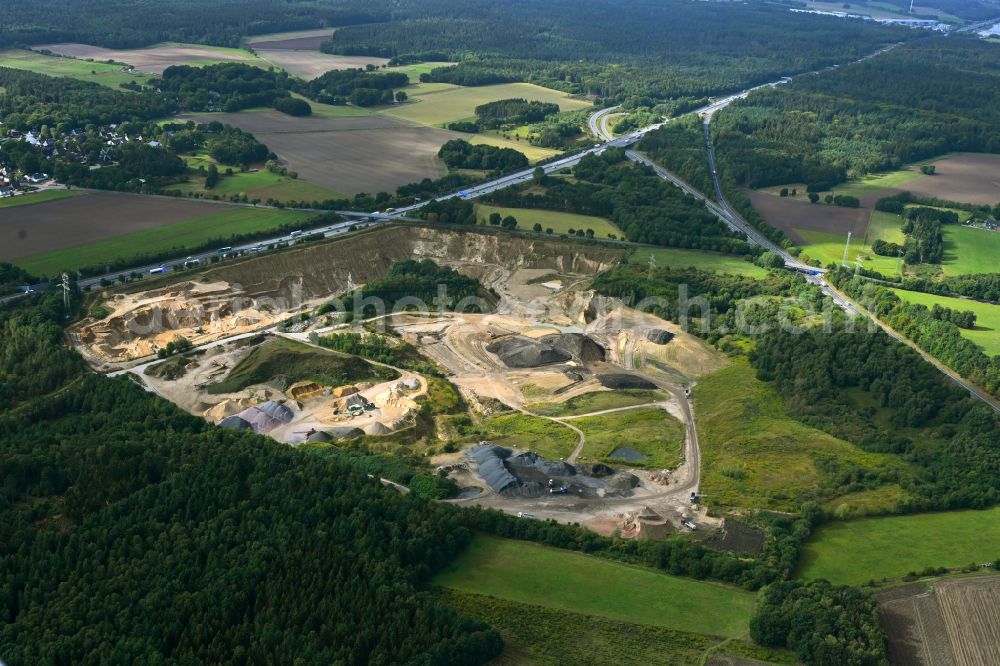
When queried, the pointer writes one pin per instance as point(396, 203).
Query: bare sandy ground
point(153, 60)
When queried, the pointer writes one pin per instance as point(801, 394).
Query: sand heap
point(227, 408)
point(395, 397)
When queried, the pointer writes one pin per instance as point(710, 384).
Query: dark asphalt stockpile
point(529, 475)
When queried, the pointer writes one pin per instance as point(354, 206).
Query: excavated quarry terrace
point(549, 339)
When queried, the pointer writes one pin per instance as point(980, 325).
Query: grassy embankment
point(650, 431)
point(703, 261)
point(754, 455)
point(560, 223)
point(296, 362)
point(596, 401)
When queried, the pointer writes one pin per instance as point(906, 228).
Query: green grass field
point(520, 431)
point(860, 187)
point(856, 551)
point(857, 187)
point(829, 249)
point(986, 334)
point(93, 72)
point(596, 401)
point(37, 197)
point(704, 261)
point(560, 223)
point(650, 431)
point(437, 106)
point(261, 184)
point(532, 574)
point(884, 226)
point(754, 455)
point(180, 236)
point(969, 250)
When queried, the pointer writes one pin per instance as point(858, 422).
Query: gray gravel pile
point(521, 352)
point(577, 345)
point(659, 336)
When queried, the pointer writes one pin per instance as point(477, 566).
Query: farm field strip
point(37, 197)
point(829, 249)
point(855, 551)
point(154, 59)
point(166, 236)
point(109, 75)
point(534, 574)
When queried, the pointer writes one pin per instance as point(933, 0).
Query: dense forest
point(357, 86)
point(127, 24)
point(116, 508)
point(31, 101)
point(876, 115)
point(800, 616)
point(933, 424)
point(516, 111)
point(645, 207)
point(659, 49)
point(226, 87)
point(458, 154)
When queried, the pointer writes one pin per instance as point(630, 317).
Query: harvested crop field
point(349, 155)
point(949, 622)
point(154, 59)
point(969, 178)
point(308, 64)
point(793, 216)
point(67, 222)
